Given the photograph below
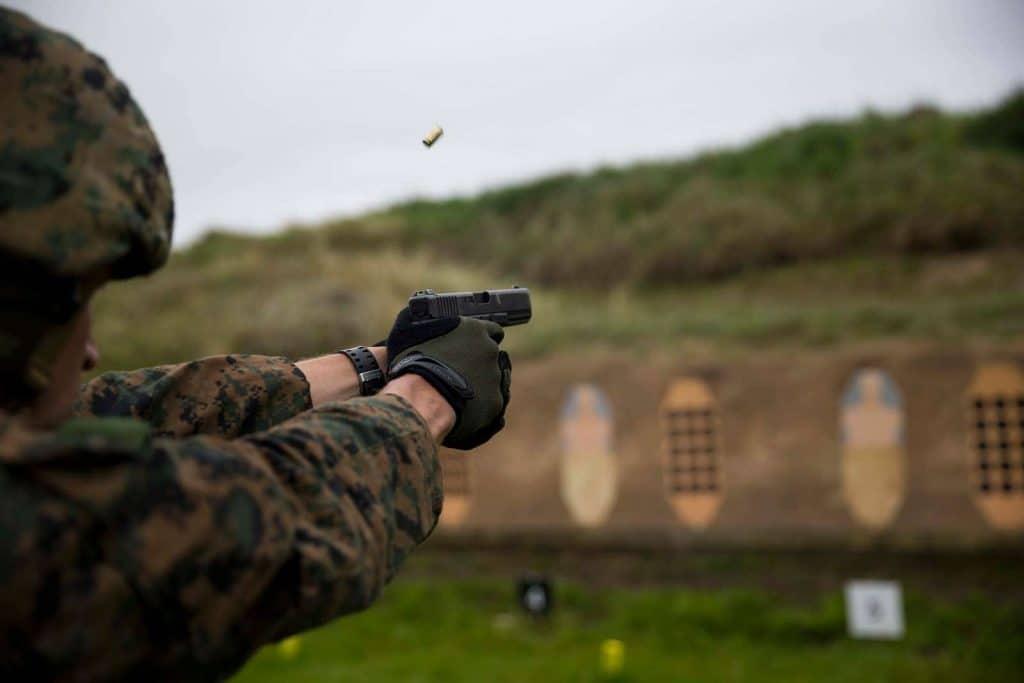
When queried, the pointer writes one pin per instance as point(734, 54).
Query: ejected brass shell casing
point(430, 138)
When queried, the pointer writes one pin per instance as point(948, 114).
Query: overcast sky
point(271, 112)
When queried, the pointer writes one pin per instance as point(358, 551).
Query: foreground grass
point(469, 631)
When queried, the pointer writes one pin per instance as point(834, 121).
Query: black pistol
point(503, 306)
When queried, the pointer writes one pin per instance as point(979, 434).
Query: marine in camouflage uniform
point(222, 515)
point(186, 514)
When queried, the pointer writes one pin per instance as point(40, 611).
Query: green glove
point(462, 361)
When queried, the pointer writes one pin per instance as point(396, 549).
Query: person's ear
point(92, 355)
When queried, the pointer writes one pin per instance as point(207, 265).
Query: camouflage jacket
point(193, 513)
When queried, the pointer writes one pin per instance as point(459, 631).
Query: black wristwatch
point(371, 377)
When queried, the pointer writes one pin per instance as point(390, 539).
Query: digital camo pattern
point(127, 555)
point(83, 184)
point(226, 395)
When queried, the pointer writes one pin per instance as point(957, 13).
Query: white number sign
point(874, 609)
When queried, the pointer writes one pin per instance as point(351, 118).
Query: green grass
point(430, 630)
point(808, 305)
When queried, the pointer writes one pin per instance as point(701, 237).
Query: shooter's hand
point(404, 335)
point(460, 358)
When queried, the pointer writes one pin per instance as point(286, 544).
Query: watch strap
point(371, 377)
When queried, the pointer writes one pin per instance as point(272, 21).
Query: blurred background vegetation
point(887, 226)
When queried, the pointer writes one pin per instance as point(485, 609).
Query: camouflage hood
point(84, 194)
point(83, 184)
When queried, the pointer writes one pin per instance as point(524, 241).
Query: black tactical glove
point(460, 358)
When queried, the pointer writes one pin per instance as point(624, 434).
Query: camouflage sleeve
point(185, 556)
point(224, 395)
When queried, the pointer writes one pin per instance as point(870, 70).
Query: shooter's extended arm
point(503, 306)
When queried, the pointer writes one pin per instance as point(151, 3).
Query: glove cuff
point(446, 381)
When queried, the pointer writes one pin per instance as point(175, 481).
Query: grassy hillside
point(908, 226)
point(922, 182)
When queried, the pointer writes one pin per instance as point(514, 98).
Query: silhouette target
point(871, 432)
point(456, 470)
point(995, 425)
point(589, 475)
point(691, 458)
